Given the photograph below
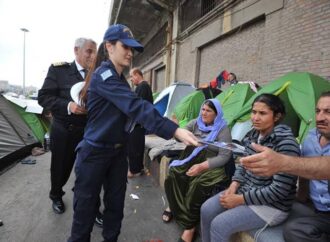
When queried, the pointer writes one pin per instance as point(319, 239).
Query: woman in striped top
point(253, 201)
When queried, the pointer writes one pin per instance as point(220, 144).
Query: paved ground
point(27, 214)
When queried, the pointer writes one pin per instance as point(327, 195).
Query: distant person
point(212, 90)
point(136, 140)
point(113, 109)
point(232, 79)
point(251, 201)
point(198, 171)
point(69, 118)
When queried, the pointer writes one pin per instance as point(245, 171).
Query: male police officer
point(69, 118)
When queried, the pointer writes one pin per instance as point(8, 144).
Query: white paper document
point(235, 148)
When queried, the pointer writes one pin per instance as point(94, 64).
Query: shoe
point(58, 206)
point(167, 216)
point(99, 220)
point(132, 175)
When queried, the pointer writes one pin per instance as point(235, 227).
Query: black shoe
point(99, 220)
point(58, 206)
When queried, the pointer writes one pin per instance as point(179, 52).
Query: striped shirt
point(277, 191)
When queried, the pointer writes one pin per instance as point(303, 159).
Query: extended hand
point(266, 163)
point(186, 137)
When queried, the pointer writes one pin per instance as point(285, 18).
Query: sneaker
point(58, 206)
point(99, 220)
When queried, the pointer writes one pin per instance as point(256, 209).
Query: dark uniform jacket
point(112, 106)
point(55, 92)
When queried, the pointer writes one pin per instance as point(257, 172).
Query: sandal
point(169, 216)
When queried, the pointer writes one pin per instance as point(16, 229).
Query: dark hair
point(101, 56)
point(273, 102)
point(325, 94)
point(233, 74)
point(210, 105)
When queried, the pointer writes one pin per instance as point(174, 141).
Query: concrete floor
point(27, 214)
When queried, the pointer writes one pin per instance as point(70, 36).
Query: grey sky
point(53, 26)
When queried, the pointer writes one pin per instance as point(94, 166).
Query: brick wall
point(294, 38)
point(297, 38)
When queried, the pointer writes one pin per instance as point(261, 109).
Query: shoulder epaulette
point(61, 64)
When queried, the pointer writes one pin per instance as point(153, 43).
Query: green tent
point(155, 95)
point(233, 98)
point(299, 91)
point(188, 108)
point(38, 126)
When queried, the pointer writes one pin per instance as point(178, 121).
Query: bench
point(159, 170)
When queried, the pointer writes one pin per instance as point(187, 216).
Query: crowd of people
point(102, 134)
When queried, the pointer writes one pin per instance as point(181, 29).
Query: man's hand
point(76, 109)
point(198, 169)
point(186, 137)
point(265, 163)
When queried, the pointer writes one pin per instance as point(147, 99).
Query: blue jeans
point(219, 223)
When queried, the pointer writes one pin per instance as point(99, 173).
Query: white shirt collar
point(80, 69)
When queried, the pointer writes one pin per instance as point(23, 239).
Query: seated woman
point(192, 179)
point(253, 201)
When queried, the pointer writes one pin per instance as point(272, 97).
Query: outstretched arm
point(269, 162)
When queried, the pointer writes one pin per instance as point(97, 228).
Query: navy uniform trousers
point(64, 139)
point(94, 164)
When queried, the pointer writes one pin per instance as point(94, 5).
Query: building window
point(158, 83)
point(192, 10)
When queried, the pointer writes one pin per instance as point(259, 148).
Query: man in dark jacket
point(69, 119)
point(136, 139)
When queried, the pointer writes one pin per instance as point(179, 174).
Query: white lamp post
point(24, 32)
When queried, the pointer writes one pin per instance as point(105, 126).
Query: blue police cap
point(123, 34)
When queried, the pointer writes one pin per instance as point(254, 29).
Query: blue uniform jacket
point(112, 106)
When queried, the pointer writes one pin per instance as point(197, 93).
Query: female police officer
point(113, 109)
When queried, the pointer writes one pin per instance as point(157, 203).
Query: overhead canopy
point(299, 91)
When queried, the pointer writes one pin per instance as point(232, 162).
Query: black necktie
point(85, 71)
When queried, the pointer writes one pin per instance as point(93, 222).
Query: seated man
point(315, 227)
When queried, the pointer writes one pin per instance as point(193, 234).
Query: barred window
point(192, 10)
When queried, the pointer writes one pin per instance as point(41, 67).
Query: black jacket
point(55, 92)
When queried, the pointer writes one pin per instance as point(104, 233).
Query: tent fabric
point(188, 108)
point(299, 91)
point(170, 96)
point(29, 110)
point(155, 95)
point(33, 121)
point(233, 98)
point(29, 105)
point(15, 135)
